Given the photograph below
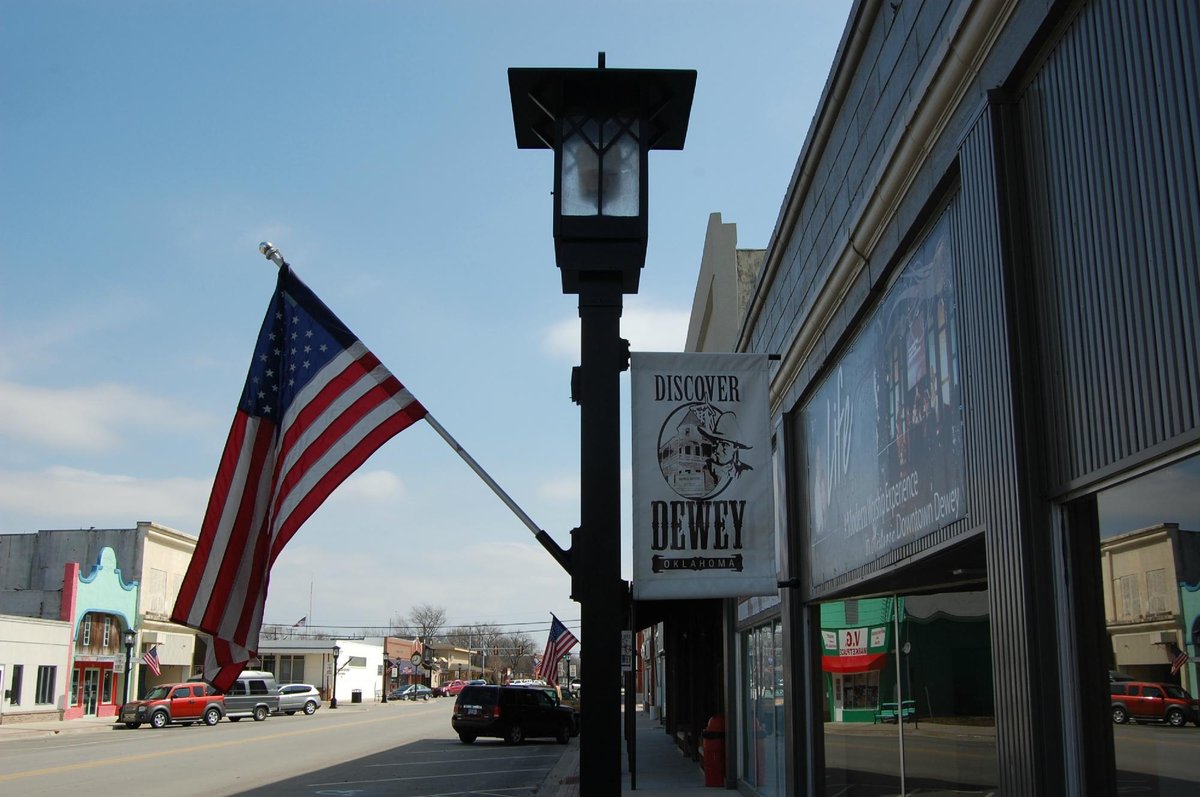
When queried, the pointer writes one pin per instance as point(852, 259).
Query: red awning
point(864, 663)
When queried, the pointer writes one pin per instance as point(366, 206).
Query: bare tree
point(427, 621)
point(514, 651)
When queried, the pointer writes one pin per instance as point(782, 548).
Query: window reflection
point(1150, 570)
point(763, 729)
point(909, 703)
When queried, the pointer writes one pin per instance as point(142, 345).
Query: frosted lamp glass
point(580, 174)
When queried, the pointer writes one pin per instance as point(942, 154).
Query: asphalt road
point(398, 749)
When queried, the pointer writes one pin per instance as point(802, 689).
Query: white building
point(311, 661)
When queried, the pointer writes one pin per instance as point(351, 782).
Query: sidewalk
point(662, 769)
point(17, 729)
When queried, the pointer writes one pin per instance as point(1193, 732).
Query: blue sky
point(147, 147)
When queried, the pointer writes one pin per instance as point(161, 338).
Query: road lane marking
point(462, 760)
point(424, 777)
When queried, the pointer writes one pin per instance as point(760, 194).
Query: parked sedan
point(299, 697)
point(414, 692)
point(452, 688)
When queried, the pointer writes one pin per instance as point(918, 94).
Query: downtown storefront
point(983, 290)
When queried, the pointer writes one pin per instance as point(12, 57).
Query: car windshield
point(1178, 692)
point(157, 693)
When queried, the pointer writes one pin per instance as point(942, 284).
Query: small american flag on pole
point(315, 406)
point(558, 644)
point(150, 657)
point(1178, 658)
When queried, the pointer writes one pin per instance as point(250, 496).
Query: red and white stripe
point(272, 477)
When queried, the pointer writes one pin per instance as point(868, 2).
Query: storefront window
point(763, 733)
point(909, 704)
point(1149, 531)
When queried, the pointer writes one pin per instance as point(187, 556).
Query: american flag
point(1178, 658)
point(150, 657)
point(302, 621)
point(558, 644)
point(315, 406)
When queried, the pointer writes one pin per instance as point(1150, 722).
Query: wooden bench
point(888, 712)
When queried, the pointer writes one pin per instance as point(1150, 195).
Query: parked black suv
point(511, 713)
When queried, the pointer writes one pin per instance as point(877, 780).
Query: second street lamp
point(333, 695)
point(601, 124)
point(129, 638)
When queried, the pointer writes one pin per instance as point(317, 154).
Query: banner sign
point(703, 511)
point(883, 433)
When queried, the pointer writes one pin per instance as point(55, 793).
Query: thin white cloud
point(647, 327)
point(377, 486)
point(562, 489)
point(102, 499)
point(89, 418)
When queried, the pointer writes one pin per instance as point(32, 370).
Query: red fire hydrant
point(713, 737)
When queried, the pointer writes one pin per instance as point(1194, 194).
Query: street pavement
point(662, 770)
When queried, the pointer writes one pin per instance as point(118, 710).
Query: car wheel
point(1176, 719)
point(212, 716)
point(1120, 715)
point(514, 735)
point(467, 738)
point(564, 734)
point(136, 725)
point(425, 698)
point(158, 719)
point(260, 713)
point(310, 707)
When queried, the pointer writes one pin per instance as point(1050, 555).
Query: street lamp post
point(333, 695)
point(601, 124)
point(387, 671)
point(129, 637)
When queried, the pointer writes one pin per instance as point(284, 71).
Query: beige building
point(1142, 608)
point(151, 556)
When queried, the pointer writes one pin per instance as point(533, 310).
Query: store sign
point(864, 641)
point(703, 510)
point(883, 433)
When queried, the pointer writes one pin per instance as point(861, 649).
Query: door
point(91, 690)
point(186, 702)
point(838, 703)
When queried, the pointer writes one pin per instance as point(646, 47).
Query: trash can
point(356, 696)
point(713, 746)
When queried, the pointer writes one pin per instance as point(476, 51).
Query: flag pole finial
point(271, 252)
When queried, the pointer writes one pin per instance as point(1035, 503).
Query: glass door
point(91, 690)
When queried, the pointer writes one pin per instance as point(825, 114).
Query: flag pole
point(272, 253)
point(547, 542)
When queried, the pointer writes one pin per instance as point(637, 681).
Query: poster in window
point(883, 432)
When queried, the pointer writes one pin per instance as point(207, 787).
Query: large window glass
point(1149, 543)
point(47, 675)
point(909, 703)
point(763, 733)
